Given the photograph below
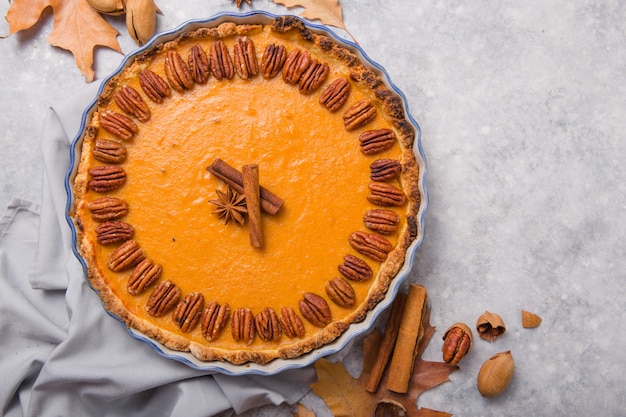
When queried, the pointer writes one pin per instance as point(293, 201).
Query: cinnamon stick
point(409, 335)
point(270, 202)
point(387, 343)
point(250, 174)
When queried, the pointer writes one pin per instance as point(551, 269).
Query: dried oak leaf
point(78, 28)
point(327, 11)
point(303, 412)
point(346, 396)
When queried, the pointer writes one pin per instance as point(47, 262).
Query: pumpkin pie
point(245, 192)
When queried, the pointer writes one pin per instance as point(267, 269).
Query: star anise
point(230, 206)
point(238, 2)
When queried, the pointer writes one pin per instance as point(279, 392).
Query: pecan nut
point(177, 72)
point(313, 77)
point(384, 194)
point(355, 268)
point(106, 178)
point(274, 58)
point(243, 326)
point(163, 299)
point(375, 141)
point(246, 63)
point(292, 323)
point(188, 311)
point(109, 151)
point(371, 245)
point(336, 94)
point(315, 309)
point(296, 64)
point(129, 100)
point(154, 86)
point(108, 233)
point(385, 169)
point(341, 292)
point(220, 61)
point(457, 341)
point(199, 64)
point(143, 276)
point(214, 319)
point(107, 208)
point(126, 256)
point(359, 114)
point(118, 124)
point(382, 221)
point(268, 325)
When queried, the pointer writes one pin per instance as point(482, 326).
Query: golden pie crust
point(305, 155)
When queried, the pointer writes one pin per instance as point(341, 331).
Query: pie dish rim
point(355, 329)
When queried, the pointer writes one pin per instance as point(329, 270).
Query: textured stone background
point(522, 107)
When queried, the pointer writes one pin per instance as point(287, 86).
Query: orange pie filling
point(306, 154)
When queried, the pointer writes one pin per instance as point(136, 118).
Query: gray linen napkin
point(85, 363)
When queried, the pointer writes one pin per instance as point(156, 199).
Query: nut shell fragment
point(490, 326)
point(530, 320)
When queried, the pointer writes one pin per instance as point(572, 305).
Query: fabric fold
point(86, 363)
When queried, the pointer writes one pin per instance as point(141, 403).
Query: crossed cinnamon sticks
point(257, 197)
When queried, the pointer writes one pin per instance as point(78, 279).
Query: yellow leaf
point(342, 394)
point(78, 28)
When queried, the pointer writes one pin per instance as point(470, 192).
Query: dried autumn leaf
point(346, 396)
point(327, 11)
point(78, 28)
point(303, 412)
